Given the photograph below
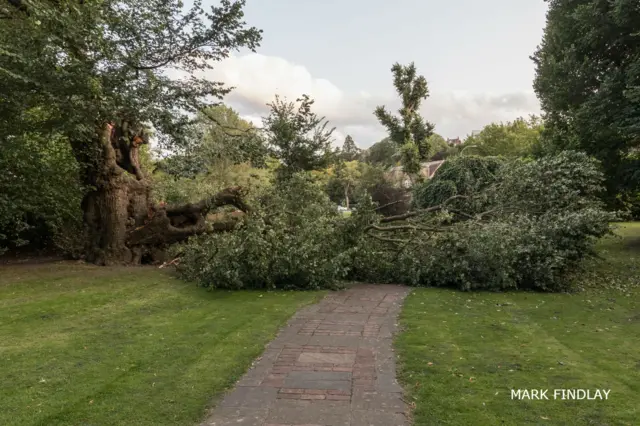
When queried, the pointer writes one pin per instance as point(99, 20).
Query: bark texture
point(122, 224)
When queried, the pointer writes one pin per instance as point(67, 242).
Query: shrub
point(40, 193)
point(293, 238)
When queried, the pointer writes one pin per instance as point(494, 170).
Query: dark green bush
point(466, 176)
point(40, 193)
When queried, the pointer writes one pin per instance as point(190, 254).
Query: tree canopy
point(349, 150)
point(104, 77)
point(588, 82)
point(298, 137)
point(518, 138)
point(382, 153)
point(222, 139)
point(79, 63)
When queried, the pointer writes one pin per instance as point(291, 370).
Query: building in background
point(397, 176)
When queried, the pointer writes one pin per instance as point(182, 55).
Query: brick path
point(333, 365)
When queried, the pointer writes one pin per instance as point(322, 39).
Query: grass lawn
point(83, 345)
point(462, 353)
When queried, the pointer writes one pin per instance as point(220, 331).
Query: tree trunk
point(346, 195)
point(122, 224)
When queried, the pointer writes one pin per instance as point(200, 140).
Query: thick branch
point(177, 223)
point(421, 211)
point(227, 197)
point(401, 228)
point(225, 128)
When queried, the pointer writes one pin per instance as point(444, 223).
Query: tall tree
point(349, 151)
point(409, 131)
point(588, 83)
point(98, 73)
point(299, 138)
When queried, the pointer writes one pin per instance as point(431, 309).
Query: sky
point(474, 55)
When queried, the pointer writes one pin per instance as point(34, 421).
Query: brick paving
point(332, 365)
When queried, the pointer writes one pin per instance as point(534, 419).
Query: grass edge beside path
point(460, 353)
point(85, 345)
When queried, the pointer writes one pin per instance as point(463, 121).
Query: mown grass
point(82, 345)
point(462, 353)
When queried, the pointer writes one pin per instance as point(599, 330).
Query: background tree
point(382, 153)
point(437, 145)
point(221, 139)
point(297, 137)
point(588, 80)
point(229, 152)
point(518, 138)
point(350, 151)
point(344, 183)
point(409, 131)
point(96, 73)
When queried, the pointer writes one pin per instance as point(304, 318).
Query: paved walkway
point(333, 365)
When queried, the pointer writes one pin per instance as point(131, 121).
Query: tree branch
point(229, 196)
point(408, 215)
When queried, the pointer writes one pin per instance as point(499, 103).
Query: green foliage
point(390, 200)
point(221, 140)
point(342, 186)
point(292, 239)
point(178, 190)
point(569, 181)
point(518, 138)
point(94, 62)
point(523, 224)
point(587, 80)
point(463, 176)
point(515, 252)
point(349, 151)
point(383, 153)
point(39, 192)
point(349, 182)
point(437, 145)
point(228, 151)
point(410, 131)
point(297, 137)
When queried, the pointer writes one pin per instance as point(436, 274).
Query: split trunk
point(122, 224)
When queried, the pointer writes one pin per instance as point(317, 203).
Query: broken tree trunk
point(122, 224)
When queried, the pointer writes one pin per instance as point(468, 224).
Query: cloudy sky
point(474, 55)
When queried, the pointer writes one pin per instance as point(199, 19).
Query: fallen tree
point(511, 224)
point(539, 220)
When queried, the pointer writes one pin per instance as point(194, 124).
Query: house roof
point(427, 170)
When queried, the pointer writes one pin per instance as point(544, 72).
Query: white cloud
point(258, 78)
